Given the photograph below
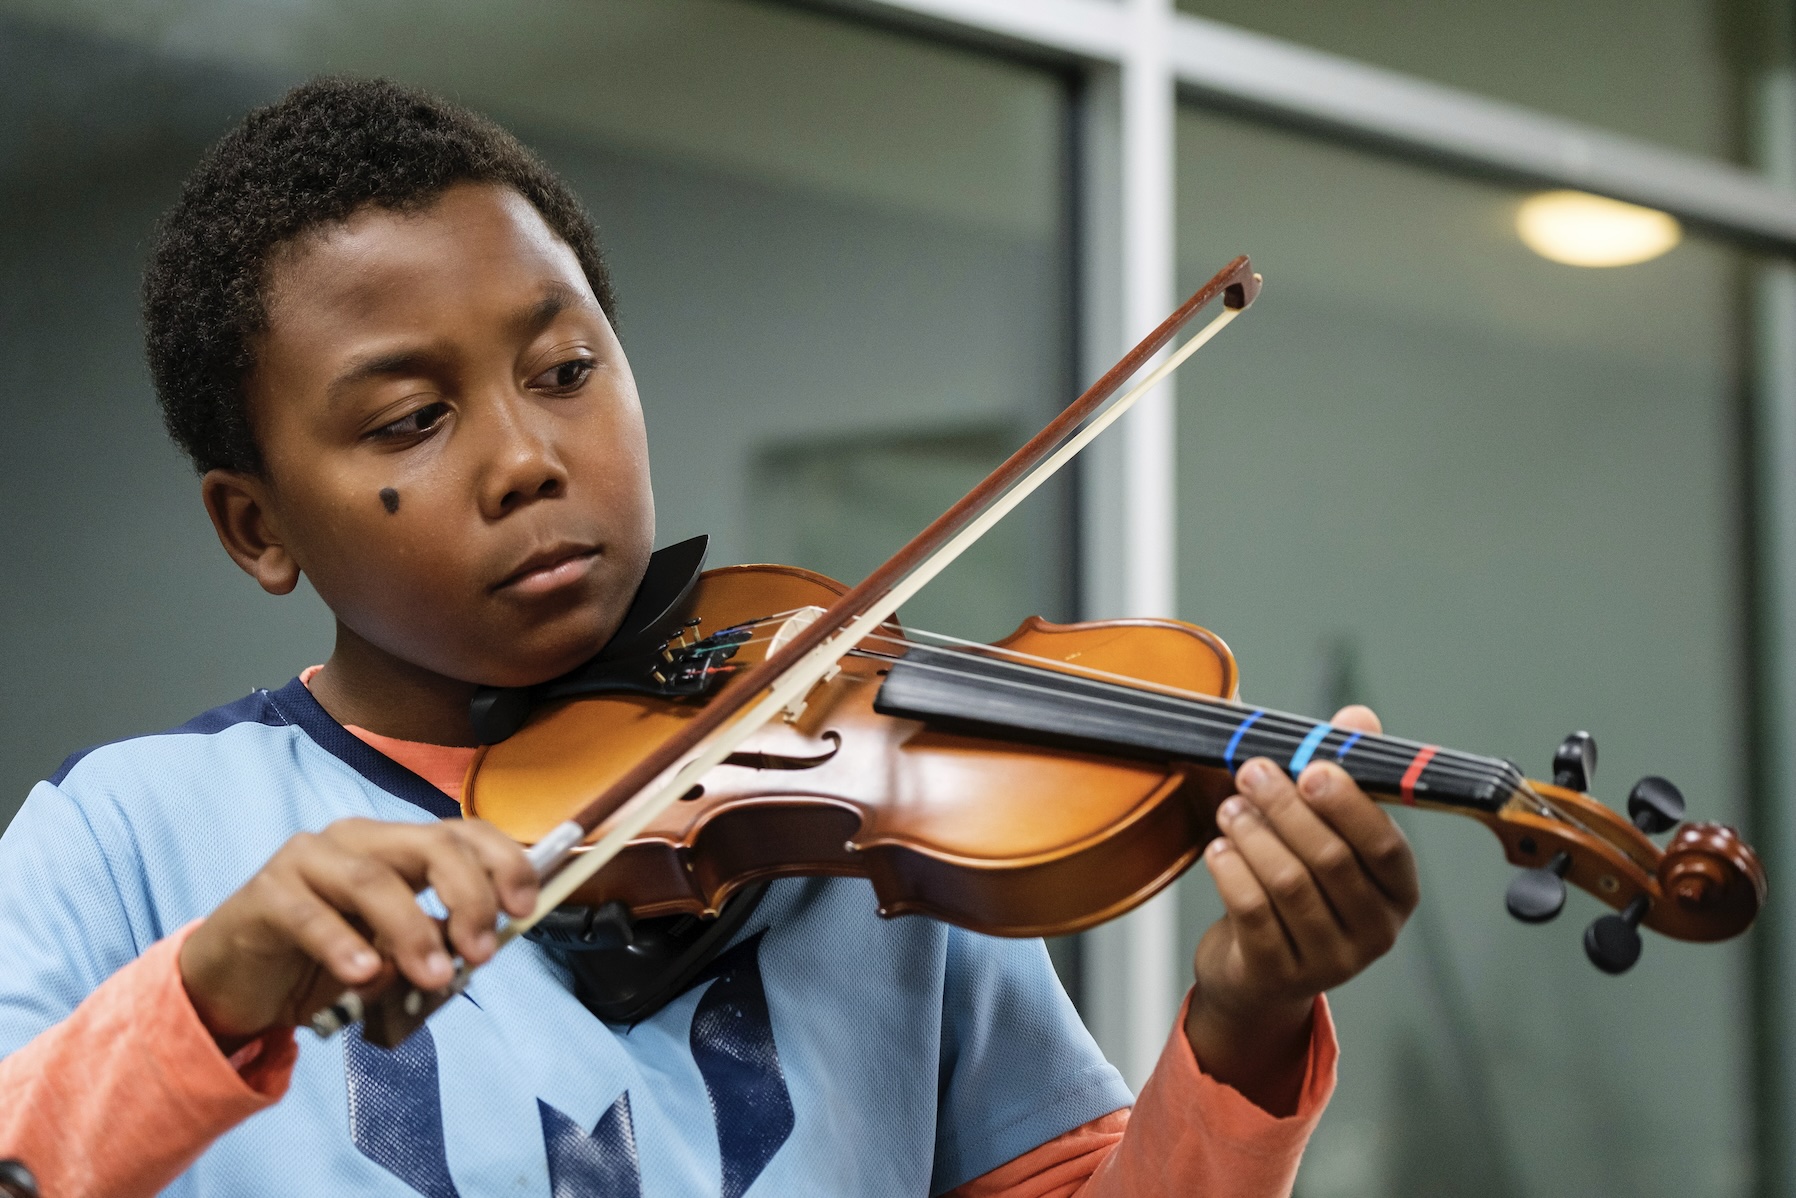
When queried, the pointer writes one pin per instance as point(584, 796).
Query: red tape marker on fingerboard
point(1414, 772)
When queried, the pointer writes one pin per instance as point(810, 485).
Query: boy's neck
point(372, 689)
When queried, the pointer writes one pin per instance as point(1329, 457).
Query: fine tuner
point(1538, 895)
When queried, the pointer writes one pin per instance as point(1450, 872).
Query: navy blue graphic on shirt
point(732, 1044)
point(599, 1165)
point(396, 1108)
point(396, 1111)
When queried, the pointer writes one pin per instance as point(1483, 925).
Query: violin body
point(1008, 839)
point(1028, 824)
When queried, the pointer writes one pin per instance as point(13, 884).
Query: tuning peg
point(1613, 942)
point(1536, 895)
point(1655, 805)
point(1574, 762)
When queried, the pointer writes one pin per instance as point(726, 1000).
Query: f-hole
point(779, 761)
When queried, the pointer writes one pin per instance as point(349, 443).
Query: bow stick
point(786, 675)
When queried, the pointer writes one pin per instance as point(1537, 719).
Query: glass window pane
point(1498, 499)
point(1663, 70)
point(826, 239)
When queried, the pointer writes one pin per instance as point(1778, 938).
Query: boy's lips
point(549, 570)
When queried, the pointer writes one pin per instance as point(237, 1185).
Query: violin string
point(1395, 749)
point(1479, 770)
point(1195, 719)
point(1217, 715)
point(1181, 703)
point(1212, 715)
point(1390, 751)
point(1297, 726)
point(905, 637)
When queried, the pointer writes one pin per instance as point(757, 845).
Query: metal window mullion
point(1132, 978)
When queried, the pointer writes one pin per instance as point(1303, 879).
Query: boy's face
point(453, 446)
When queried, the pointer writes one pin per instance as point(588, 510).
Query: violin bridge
point(795, 709)
point(794, 624)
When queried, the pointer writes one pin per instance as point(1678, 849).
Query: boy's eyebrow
point(557, 298)
point(532, 320)
point(405, 361)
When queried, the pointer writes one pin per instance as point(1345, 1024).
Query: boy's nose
point(545, 489)
point(525, 466)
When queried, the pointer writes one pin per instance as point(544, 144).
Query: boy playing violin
point(381, 329)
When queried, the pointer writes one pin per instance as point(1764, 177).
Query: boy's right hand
point(338, 909)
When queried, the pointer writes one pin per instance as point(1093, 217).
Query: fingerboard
point(990, 696)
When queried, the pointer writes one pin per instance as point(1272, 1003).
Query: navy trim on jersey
point(296, 704)
point(253, 708)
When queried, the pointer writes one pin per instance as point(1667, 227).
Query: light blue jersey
point(827, 1052)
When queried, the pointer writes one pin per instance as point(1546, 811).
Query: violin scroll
point(1713, 877)
point(1707, 873)
point(1707, 884)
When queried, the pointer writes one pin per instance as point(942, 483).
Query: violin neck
point(990, 696)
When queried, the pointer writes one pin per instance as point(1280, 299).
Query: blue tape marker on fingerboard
point(1341, 753)
point(1307, 748)
point(1228, 756)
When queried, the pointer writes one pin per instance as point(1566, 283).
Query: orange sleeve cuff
point(1188, 1134)
point(120, 1097)
point(1229, 1115)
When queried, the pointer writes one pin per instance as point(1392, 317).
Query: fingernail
point(1252, 776)
point(1219, 846)
point(1315, 783)
point(363, 961)
point(438, 965)
point(486, 944)
point(1231, 809)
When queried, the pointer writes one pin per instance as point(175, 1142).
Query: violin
point(1042, 784)
point(757, 722)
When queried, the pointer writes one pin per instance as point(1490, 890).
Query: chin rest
point(627, 663)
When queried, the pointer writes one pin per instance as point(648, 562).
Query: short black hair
point(323, 151)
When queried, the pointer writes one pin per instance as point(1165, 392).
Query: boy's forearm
point(1262, 1054)
point(124, 1094)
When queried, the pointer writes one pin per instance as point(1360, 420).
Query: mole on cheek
point(389, 499)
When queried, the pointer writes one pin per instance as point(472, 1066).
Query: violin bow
point(787, 674)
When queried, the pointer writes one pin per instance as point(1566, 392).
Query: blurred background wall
point(1499, 498)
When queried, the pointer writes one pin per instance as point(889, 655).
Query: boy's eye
point(416, 422)
point(565, 376)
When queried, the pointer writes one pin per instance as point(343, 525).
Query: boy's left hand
point(1317, 881)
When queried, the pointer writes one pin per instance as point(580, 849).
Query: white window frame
point(1137, 56)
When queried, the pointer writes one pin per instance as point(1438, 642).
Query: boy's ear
point(242, 517)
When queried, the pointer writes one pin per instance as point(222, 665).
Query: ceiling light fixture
point(1580, 229)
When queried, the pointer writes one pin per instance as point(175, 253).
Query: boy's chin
point(531, 663)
